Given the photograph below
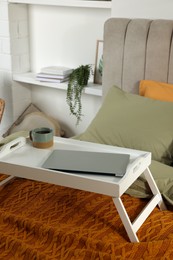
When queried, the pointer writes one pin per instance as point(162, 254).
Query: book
point(51, 76)
point(53, 80)
point(56, 70)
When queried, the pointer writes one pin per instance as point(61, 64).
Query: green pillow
point(163, 175)
point(136, 122)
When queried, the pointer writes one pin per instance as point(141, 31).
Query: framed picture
point(98, 62)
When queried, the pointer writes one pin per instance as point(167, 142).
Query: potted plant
point(78, 79)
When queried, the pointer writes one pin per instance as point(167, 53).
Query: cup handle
point(30, 135)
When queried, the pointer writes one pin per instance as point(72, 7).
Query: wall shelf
point(30, 78)
point(68, 3)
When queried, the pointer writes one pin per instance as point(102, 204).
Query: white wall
point(53, 102)
point(14, 55)
point(65, 36)
point(153, 9)
point(5, 65)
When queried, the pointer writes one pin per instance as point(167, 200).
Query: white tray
point(31, 159)
point(19, 159)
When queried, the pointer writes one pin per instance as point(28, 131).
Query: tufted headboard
point(136, 49)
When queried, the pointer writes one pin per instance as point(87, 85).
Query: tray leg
point(132, 228)
point(125, 219)
point(5, 181)
point(154, 188)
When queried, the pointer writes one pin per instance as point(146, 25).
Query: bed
point(44, 221)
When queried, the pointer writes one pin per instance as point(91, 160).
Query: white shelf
point(70, 3)
point(30, 78)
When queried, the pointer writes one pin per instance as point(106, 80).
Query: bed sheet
point(44, 221)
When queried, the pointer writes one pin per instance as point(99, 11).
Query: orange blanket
point(42, 221)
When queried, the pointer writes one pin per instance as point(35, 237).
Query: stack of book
point(56, 74)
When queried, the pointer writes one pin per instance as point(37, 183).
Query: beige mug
point(41, 137)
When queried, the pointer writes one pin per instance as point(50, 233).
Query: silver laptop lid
point(87, 162)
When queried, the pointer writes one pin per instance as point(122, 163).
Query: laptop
point(73, 161)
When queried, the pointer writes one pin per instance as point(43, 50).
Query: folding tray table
point(19, 158)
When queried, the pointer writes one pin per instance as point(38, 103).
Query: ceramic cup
point(41, 137)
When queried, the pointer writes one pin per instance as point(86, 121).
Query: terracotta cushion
point(156, 90)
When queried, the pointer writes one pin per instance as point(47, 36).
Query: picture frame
point(98, 62)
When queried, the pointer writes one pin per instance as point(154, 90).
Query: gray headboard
point(136, 49)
